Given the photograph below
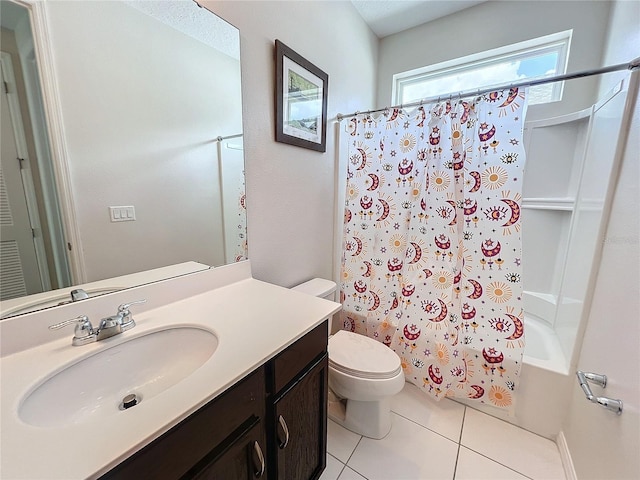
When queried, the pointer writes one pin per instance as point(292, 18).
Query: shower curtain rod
point(219, 138)
point(632, 65)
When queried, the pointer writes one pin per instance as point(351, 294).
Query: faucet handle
point(125, 314)
point(81, 322)
point(84, 330)
point(124, 308)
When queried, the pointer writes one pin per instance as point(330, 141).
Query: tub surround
point(253, 321)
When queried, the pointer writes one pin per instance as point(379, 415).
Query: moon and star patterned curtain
point(431, 261)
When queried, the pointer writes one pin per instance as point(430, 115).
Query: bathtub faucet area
point(601, 380)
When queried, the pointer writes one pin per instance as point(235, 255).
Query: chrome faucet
point(109, 326)
point(78, 294)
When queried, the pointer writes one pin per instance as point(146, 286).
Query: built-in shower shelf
point(549, 203)
point(540, 305)
point(559, 120)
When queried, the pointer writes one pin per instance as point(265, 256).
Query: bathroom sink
point(95, 386)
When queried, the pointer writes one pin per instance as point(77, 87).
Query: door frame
point(55, 127)
point(28, 186)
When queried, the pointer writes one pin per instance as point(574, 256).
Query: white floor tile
point(444, 417)
point(348, 474)
point(473, 466)
point(333, 469)
point(518, 449)
point(340, 441)
point(408, 452)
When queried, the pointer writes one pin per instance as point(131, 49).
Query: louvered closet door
point(18, 266)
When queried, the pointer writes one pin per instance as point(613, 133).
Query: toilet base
point(370, 419)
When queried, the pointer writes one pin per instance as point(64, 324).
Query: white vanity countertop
point(253, 321)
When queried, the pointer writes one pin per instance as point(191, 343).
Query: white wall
point(139, 131)
point(290, 190)
point(496, 24)
point(602, 444)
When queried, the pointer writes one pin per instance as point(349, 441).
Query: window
point(537, 58)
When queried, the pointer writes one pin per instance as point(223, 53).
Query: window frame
point(557, 42)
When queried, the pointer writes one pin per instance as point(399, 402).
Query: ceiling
point(386, 17)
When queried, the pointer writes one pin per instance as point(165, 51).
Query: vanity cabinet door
point(243, 459)
point(299, 426)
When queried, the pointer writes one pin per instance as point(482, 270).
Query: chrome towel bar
point(601, 380)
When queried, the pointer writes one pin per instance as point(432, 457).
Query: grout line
point(353, 470)
point(340, 462)
point(347, 466)
point(455, 466)
point(464, 416)
point(426, 428)
point(507, 424)
point(354, 450)
point(495, 461)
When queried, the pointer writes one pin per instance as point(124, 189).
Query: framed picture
point(301, 100)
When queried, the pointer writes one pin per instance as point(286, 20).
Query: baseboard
point(565, 456)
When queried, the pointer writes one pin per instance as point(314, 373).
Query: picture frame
point(301, 100)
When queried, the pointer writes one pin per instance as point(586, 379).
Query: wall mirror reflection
point(121, 144)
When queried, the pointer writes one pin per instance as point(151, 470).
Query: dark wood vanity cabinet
point(241, 459)
point(297, 408)
point(271, 424)
point(299, 422)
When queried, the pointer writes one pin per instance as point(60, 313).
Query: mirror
point(131, 152)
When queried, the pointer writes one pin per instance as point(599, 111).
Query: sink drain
point(129, 401)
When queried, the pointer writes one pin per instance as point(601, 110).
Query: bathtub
point(543, 349)
point(545, 384)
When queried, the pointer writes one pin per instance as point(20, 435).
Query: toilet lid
point(362, 357)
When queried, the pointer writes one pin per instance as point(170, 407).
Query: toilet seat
point(362, 357)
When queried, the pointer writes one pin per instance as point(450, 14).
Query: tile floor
point(441, 440)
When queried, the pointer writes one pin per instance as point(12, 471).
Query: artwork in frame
point(301, 100)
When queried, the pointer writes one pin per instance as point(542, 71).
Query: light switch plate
point(122, 214)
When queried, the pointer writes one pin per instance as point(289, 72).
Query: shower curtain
point(432, 246)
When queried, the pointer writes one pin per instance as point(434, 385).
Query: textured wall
point(290, 190)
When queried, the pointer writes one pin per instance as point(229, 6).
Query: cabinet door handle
point(259, 469)
point(285, 429)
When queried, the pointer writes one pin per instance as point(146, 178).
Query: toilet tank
point(318, 287)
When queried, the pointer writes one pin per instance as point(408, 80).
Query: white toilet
point(363, 375)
